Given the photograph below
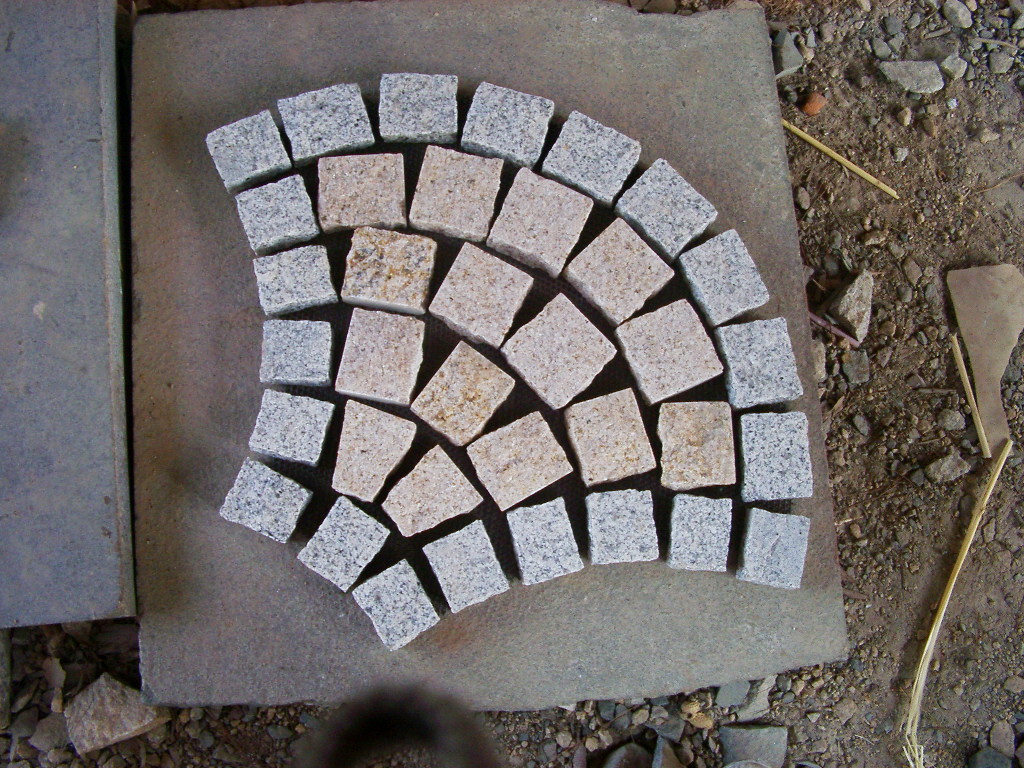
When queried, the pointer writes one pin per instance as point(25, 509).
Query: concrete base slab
point(227, 617)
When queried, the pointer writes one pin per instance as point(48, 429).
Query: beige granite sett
point(668, 351)
point(435, 491)
point(618, 272)
point(455, 193)
point(518, 460)
point(559, 352)
point(464, 393)
point(382, 356)
point(480, 296)
point(389, 270)
point(696, 445)
point(608, 436)
point(361, 191)
point(372, 444)
point(540, 222)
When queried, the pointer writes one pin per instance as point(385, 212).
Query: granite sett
point(277, 215)
point(455, 193)
point(397, 605)
point(508, 124)
point(700, 533)
point(415, 107)
point(544, 543)
point(608, 437)
point(291, 427)
point(292, 280)
point(296, 352)
point(361, 191)
point(621, 528)
point(265, 501)
point(325, 121)
point(372, 444)
point(434, 491)
point(760, 367)
point(248, 151)
point(382, 356)
point(723, 277)
point(388, 270)
point(344, 544)
point(696, 445)
point(774, 549)
point(466, 566)
point(776, 456)
point(592, 157)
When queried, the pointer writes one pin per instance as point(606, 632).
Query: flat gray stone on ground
point(294, 280)
point(361, 191)
point(277, 215)
point(760, 368)
point(732, 694)
point(466, 566)
point(455, 194)
point(508, 124)
point(723, 277)
point(344, 544)
point(248, 151)
point(762, 743)
point(65, 507)
point(397, 605)
point(327, 121)
point(621, 528)
point(193, 72)
point(372, 444)
point(700, 533)
point(594, 158)
point(544, 542)
point(914, 76)
point(382, 356)
point(265, 501)
point(291, 427)
point(108, 712)
point(774, 548)
point(296, 352)
point(776, 456)
point(417, 107)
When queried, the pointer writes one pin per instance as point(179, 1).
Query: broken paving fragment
point(107, 712)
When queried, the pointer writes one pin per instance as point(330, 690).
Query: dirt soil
point(956, 157)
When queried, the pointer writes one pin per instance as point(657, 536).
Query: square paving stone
point(416, 107)
point(277, 215)
point(701, 528)
point(388, 270)
point(592, 157)
point(294, 280)
point(265, 501)
point(361, 191)
point(373, 442)
point(382, 356)
point(435, 491)
point(697, 447)
point(544, 542)
point(774, 549)
point(480, 296)
point(248, 151)
point(455, 194)
point(464, 393)
point(621, 528)
point(397, 605)
point(291, 427)
point(608, 437)
point(327, 121)
point(466, 567)
point(344, 544)
point(723, 277)
point(508, 124)
point(296, 352)
point(776, 456)
point(760, 365)
point(559, 352)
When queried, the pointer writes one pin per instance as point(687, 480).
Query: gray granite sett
point(608, 437)
point(518, 460)
point(544, 542)
point(397, 605)
point(723, 277)
point(759, 363)
point(774, 549)
point(294, 280)
point(389, 270)
point(291, 427)
point(668, 351)
point(539, 222)
point(466, 566)
point(327, 121)
point(776, 456)
point(434, 491)
point(621, 527)
point(373, 442)
point(248, 151)
point(277, 215)
point(592, 157)
point(382, 356)
point(700, 527)
point(361, 191)
point(480, 296)
point(618, 272)
point(559, 352)
point(455, 193)
point(697, 448)
point(265, 501)
point(665, 208)
point(463, 395)
point(508, 124)
point(296, 352)
point(416, 107)
point(344, 544)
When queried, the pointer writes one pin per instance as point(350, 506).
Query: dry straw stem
point(912, 748)
point(958, 356)
point(840, 159)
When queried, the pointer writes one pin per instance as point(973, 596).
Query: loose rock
point(989, 758)
point(851, 306)
point(953, 67)
point(951, 421)
point(628, 756)
point(999, 63)
point(957, 14)
point(947, 469)
point(785, 54)
point(51, 733)
point(856, 366)
point(764, 744)
point(732, 694)
point(914, 76)
point(1001, 738)
point(108, 712)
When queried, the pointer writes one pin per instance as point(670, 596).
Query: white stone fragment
point(389, 270)
point(277, 215)
point(507, 124)
point(760, 365)
point(455, 194)
point(294, 280)
point(696, 445)
point(435, 491)
point(373, 443)
point(248, 151)
point(415, 107)
point(344, 544)
point(265, 501)
point(776, 456)
point(608, 436)
point(723, 277)
point(296, 352)
point(700, 533)
point(382, 356)
point(361, 191)
point(466, 567)
point(331, 120)
point(544, 542)
point(397, 605)
point(621, 528)
point(592, 157)
point(291, 427)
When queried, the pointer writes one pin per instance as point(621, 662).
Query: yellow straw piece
point(986, 451)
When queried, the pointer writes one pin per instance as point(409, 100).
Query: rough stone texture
point(732, 694)
point(559, 352)
point(389, 270)
point(518, 460)
point(776, 456)
point(466, 566)
point(608, 437)
point(193, 72)
point(344, 544)
point(416, 107)
point(621, 527)
point(265, 501)
point(65, 506)
point(397, 605)
point(774, 548)
point(760, 367)
point(618, 272)
point(508, 124)
point(957, 14)
point(914, 76)
point(108, 712)
point(382, 356)
point(851, 307)
point(248, 151)
point(628, 756)
point(700, 533)
point(544, 543)
point(372, 444)
point(666, 208)
point(5, 679)
point(464, 393)
point(723, 277)
point(52, 733)
point(668, 351)
point(435, 491)
point(765, 744)
point(592, 157)
point(455, 193)
point(327, 121)
point(480, 296)
point(296, 352)
point(361, 191)
point(540, 222)
point(277, 215)
point(947, 468)
point(295, 279)
point(291, 427)
point(696, 445)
